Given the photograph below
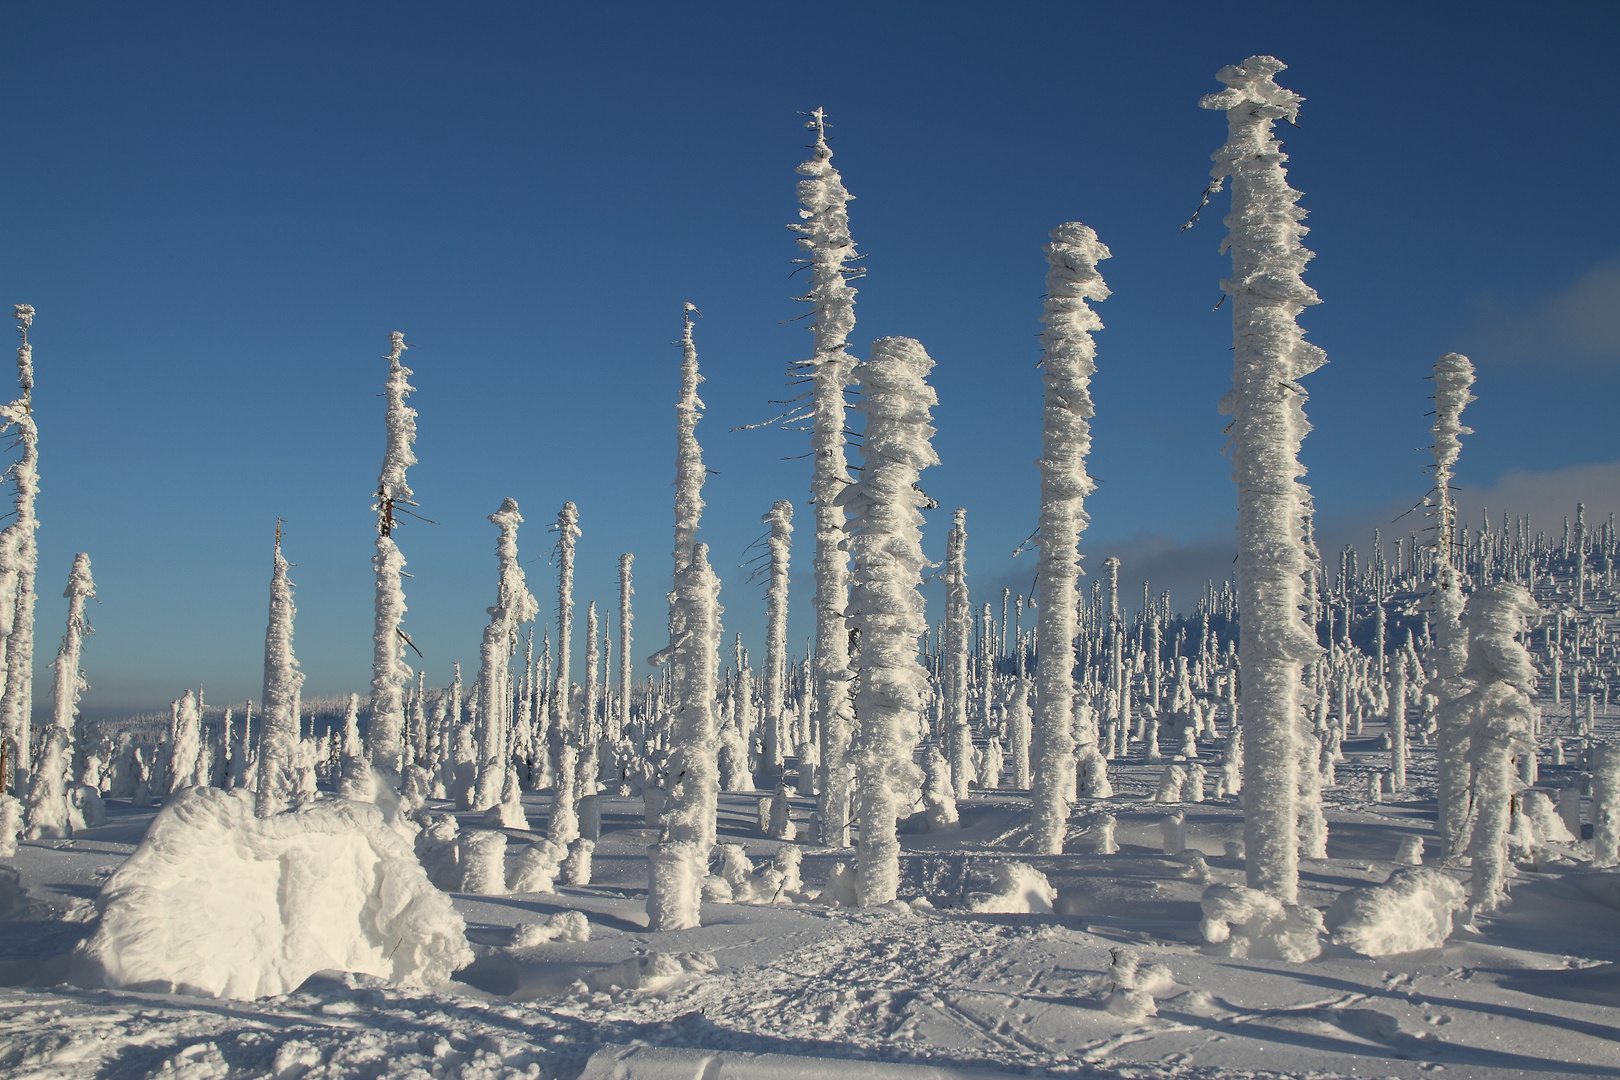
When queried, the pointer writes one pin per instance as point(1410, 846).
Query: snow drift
point(218, 902)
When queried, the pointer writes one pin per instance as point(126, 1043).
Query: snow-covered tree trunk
point(48, 815)
point(626, 619)
point(19, 558)
point(278, 720)
point(185, 742)
point(1397, 723)
point(588, 720)
point(886, 603)
point(514, 605)
point(780, 543)
point(568, 533)
point(1453, 375)
point(1268, 424)
point(824, 235)
point(390, 674)
point(1492, 703)
point(958, 629)
point(1068, 357)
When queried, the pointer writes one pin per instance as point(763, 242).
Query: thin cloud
point(1578, 326)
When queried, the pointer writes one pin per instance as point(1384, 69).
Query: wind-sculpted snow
point(1410, 911)
point(219, 902)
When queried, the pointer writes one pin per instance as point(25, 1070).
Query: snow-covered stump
point(1268, 425)
point(537, 867)
point(482, 858)
point(886, 604)
point(218, 903)
point(1173, 832)
point(390, 674)
point(49, 812)
point(1605, 805)
point(1453, 375)
point(1068, 357)
point(514, 605)
point(676, 869)
point(278, 725)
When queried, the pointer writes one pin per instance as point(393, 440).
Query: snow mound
point(220, 903)
point(650, 973)
point(563, 926)
point(1410, 911)
point(1246, 922)
point(1017, 888)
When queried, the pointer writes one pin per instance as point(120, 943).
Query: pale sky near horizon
point(220, 211)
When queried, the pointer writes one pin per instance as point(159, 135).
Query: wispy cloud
point(1579, 325)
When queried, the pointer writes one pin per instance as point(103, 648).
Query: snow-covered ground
point(804, 990)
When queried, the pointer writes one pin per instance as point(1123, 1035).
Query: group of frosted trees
point(889, 715)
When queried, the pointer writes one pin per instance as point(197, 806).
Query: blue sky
point(220, 211)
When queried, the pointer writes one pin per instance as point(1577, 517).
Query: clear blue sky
point(221, 210)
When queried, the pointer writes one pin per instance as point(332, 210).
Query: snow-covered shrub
point(839, 889)
point(438, 850)
point(482, 858)
point(538, 866)
point(221, 903)
point(939, 800)
point(1247, 922)
point(1266, 404)
point(278, 726)
point(1171, 783)
point(1015, 888)
point(1173, 832)
point(48, 810)
point(1410, 852)
point(1548, 828)
point(1102, 833)
point(1410, 911)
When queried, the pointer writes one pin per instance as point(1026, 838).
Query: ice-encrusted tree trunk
point(689, 469)
point(886, 603)
point(19, 559)
point(514, 606)
point(390, 674)
point(47, 796)
point(958, 736)
point(1268, 424)
point(824, 235)
point(690, 820)
point(1453, 375)
point(278, 719)
point(568, 533)
point(626, 619)
point(780, 543)
point(1068, 357)
point(1491, 700)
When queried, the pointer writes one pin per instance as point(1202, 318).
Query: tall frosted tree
point(958, 631)
point(390, 674)
point(514, 606)
point(886, 603)
point(47, 795)
point(19, 558)
point(278, 720)
point(780, 543)
point(1266, 404)
point(1068, 357)
point(568, 533)
point(1453, 375)
point(626, 620)
point(824, 236)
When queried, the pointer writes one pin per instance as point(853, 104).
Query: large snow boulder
point(1410, 911)
point(221, 903)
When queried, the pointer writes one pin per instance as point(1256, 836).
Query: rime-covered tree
point(390, 674)
point(1453, 375)
point(514, 606)
point(958, 630)
point(568, 533)
point(1068, 357)
point(1266, 404)
point(19, 558)
point(278, 722)
point(626, 620)
point(780, 543)
point(824, 236)
point(47, 796)
point(886, 604)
